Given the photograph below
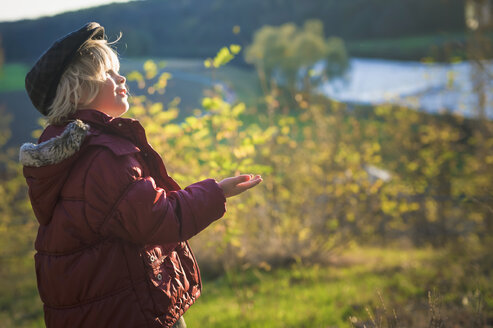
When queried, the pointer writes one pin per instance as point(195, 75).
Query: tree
point(479, 20)
point(288, 55)
point(478, 14)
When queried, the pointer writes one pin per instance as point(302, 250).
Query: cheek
point(108, 87)
point(106, 93)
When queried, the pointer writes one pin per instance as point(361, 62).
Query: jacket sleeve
point(123, 203)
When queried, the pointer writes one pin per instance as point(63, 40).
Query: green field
point(12, 77)
point(438, 47)
point(358, 286)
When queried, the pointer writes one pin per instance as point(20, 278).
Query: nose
point(121, 79)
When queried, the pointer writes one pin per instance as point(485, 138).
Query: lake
point(434, 87)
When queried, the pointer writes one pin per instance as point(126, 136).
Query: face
point(112, 98)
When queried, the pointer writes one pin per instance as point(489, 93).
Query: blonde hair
point(81, 81)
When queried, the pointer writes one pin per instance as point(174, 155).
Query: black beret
point(42, 80)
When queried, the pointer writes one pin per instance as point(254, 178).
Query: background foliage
point(288, 55)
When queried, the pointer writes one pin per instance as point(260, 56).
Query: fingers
point(252, 182)
point(243, 177)
point(236, 185)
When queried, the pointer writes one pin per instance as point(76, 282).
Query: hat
point(42, 80)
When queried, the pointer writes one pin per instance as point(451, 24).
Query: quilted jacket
point(111, 249)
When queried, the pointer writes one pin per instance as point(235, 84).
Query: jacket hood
point(47, 165)
point(56, 149)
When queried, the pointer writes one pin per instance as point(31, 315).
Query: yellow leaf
point(235, 49)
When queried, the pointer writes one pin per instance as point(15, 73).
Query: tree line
point(197, 28)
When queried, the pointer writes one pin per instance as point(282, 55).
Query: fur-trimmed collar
point(57, 149)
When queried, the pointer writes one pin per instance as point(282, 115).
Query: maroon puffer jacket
point(112, 245)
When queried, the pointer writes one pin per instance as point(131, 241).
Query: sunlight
point(29, 9)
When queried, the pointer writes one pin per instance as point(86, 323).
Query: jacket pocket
point(169, 283)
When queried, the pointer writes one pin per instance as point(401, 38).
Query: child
point(112, 246)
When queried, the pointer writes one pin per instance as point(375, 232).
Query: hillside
point(192, 28)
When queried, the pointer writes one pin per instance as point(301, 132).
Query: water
point(435, 88)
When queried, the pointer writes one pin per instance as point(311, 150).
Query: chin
point(126, 109)
point(121, 111)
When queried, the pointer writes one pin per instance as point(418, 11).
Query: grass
point(441, 47)
point(12, 77)
point(342, 294)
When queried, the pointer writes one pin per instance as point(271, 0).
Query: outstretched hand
point(236, 185)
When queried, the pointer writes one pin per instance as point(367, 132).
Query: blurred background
point(369, 120)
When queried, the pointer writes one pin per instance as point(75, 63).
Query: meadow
point(358, 287)
point(438, 47)
point(12, 77)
